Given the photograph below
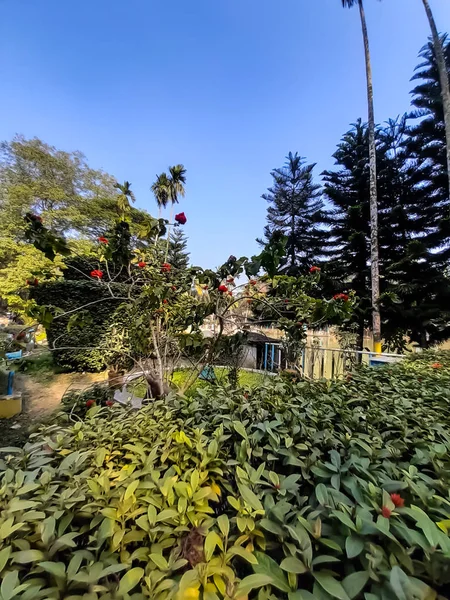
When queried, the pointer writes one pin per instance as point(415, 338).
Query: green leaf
point(130, 580)
point(252, 582)
point(301, 595)
point(331, 585)
point(212, 540)
point(166, 515)
point(266, 565)
point(243, 553)
point(131, 489)
point(354, 545)
point(322, 494)
point(9, 583)
point(57, 569)
point(291, 564)
point(354, 584)
point(159, 561)
point(344, 518)
point(400, 583)
point(28, 556)
point(4, 556)
point(224, 525)
point(240, 429)
point(250, 497)
point(271, 526)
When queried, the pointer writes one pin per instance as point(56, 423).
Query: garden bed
point(308, 490)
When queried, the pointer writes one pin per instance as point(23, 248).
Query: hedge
point(86, 343)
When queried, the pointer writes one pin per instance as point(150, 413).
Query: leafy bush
point(300, 490)
point(85, 342)
point(78, 402)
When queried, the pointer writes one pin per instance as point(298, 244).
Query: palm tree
point(374, 254)
point(177, 180)
point(124, 197)
point(443, 76)
point(161, 190)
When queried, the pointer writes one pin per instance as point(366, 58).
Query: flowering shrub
point(181, 218)
point(300, 491)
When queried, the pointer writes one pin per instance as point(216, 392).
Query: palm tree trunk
point(443, 76)
point(168, 232)
point(374, 254)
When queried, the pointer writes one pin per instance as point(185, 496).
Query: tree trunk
point(374, 254)
point(443, 76)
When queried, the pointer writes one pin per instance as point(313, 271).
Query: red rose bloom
point(103, 240)
point(109, 403)
point(386, 512)
point(436, 365)
point(181, 218)
point(223, 288)
point(142, 264)
point(315, 270)
point(165, 268)
point(397, 500)
point(343, 297)
point(90, 403)
point(97, 273)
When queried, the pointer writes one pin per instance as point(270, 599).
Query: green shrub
point(85, 345)
point(297, 490)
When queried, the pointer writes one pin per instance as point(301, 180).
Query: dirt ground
point(39, 400)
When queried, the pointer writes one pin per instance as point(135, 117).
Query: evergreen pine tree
point(296, 211)
point(178, 257)
point(427, 149)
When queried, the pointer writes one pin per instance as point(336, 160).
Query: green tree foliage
point(59, 186)
point(427, 147)
point(178, 255)
point(295, 210)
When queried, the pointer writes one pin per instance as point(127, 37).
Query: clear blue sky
point(227, 87)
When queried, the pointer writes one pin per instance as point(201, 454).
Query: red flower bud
point(436, 365)
point(165, 301)
point(397, 500)
point(252, 282)
point(90, 403)
point(343, 297)
point(109, 403)
point(142, 264)
point(165, 268)
point(315, 270)
point(223, 288)
point(181, 218)
point(103, 240)
point(173, 288)
point(386, 512)
point(97, 273)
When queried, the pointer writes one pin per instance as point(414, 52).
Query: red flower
point(97, 273)
point(165, 268)
point(90, 403)
point(343, 297)
point(386, 512)
point(165, 301)
point(142, 264)
point(249, 301)
point(109, 403)
point(205, 287)
point(315, 270)
point(397, 500)
point(436, 365)
point(252, 282)
point(173, 288)
point(246, 395)
point(230, 294)
point(103, 240)
point(32, 281)
point(230, 279)
point(181, 218)
point(223, 288)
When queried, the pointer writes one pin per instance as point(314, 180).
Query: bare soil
point(39, 400)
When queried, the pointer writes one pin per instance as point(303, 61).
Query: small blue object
point(208, 374)
point(13, 355)
point(9, 389)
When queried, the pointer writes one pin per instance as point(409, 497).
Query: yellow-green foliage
point(298, 491)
